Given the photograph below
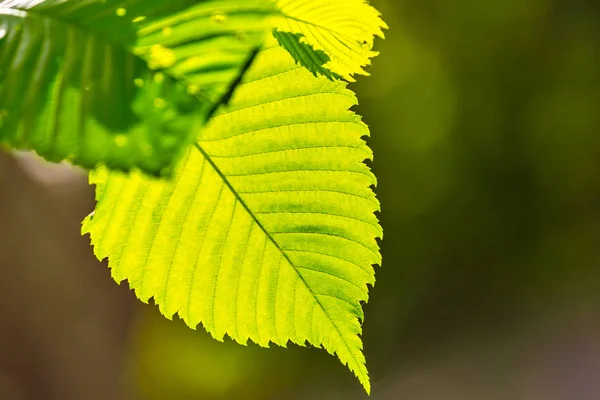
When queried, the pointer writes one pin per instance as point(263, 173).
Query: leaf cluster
point(229, 170)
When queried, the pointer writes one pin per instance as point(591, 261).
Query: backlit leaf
point(267, 232)
point(343, 29)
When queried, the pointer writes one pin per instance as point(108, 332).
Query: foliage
point(304, 54)
point(342, 29)
point(264, 229)
point(120, 83)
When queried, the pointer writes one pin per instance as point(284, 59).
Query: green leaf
point(304, 54)
point(121, 83)
point(267, 232)
point(343, 29)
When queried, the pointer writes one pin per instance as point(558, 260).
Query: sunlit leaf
point(267, 231)
point(343, 29)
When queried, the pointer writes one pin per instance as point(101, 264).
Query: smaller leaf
point(121, 83)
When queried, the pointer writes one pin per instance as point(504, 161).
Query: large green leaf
point(344, 30)
point(125, 83)
point(267, 233)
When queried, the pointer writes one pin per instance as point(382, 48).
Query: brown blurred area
point(64, 322)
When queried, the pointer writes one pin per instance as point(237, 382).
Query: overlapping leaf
point(125, 83)
point(343, 29)
point(267, 231)
point(305, 55)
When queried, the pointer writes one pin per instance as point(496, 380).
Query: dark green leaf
point(127, 84)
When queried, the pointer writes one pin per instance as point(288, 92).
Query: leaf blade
point(276, 248)
point(152, 73)
point(344, 30)
point(306, 55)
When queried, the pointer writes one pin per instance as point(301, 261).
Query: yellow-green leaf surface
point(124, 83)
point(343, 29)
point(267, 232)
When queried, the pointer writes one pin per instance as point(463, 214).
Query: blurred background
point(485, 120)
